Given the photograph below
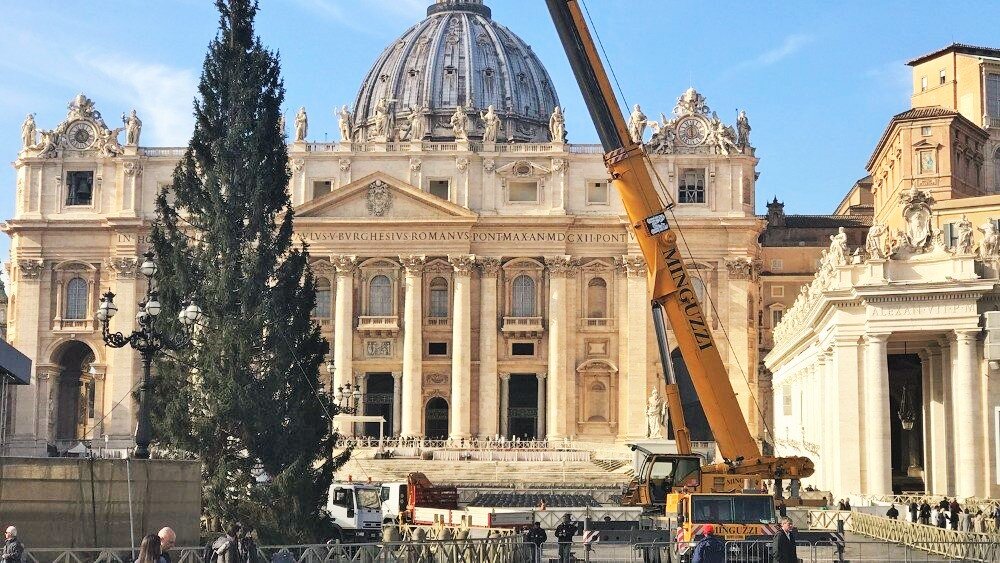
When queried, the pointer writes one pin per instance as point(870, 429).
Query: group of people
point(236, 545)
point(947, 514)
point(155, 548)
point(565, 531)
point(712, 549)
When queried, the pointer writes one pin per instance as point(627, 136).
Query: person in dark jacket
point(955, 510)
point(783, 547)
point(565, 533)
point(913, 512)
point(13, 549)
point(536, 536)
point(925, 513)
point(248, 546)
point(943, 505)
point(942, 522)
point(710, 548)
point(892, 512)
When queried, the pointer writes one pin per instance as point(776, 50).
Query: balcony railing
point(73, 324)
point(378, 325)
point(597, 323)
point(523, 326)
point(991, 122)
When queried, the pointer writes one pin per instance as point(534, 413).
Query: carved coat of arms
point(379, 198)
point(917, 214)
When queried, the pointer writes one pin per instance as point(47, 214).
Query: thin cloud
point(892, 79)
point(358, 15)
point(789, 46)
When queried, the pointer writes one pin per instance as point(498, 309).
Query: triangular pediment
point(379, 196)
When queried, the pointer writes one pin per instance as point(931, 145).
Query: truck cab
point(356, 511)
point(394, 499)
point(736, 517)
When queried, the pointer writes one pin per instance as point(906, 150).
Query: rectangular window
point(776, 315)
point(777, 291)
point(993, 95)
point(522, 349)
point(925, 131)
point(950, 235)
point(80, 187)
point(597, 193)
point(691, 187)
point(941, 77)
point(437, 349)
point(321, 188)
point(923, 83)
point(523, 192)
point(440, 188)
point(786, 401)
point(777, 264)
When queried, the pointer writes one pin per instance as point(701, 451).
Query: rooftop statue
point(557, 126)
point(491, 125)
point(637, 124)
point(28, 132)
point(459, 122)
point(301, 125)
point(344, 121)
point(133, 127)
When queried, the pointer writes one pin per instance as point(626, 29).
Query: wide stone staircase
point(519, 474)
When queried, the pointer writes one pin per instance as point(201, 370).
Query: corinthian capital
point(490, 266)
point(344, 264)
point(30, 269)
point(560, 266)
point(414, 264)
point(124, 267)
point(463, 263)
point(634, 265)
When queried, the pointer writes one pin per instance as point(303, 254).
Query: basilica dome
point(457, 56)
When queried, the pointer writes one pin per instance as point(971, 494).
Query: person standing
point(149, 549)
point(955, 510)
point(913, 512)
point(167, 541)
point(13, 549)
point(226, 549)
point(536, 536)
point(892, 512)
point(925, 513)
point(565, 533)
point(710, 548)
point(940, 520)
point(783, 547)
point(248, 546)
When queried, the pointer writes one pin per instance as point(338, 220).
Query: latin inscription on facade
point(464, 236)
point(934, 311)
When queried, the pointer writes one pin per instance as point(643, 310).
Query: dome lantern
point(457, 56)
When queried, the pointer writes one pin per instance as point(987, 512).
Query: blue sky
point(819, 80)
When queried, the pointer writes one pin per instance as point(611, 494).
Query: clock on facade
point(692, 131)
point(81, 135)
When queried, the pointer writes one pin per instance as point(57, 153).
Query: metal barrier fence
point(510, 549)
point(968, 546)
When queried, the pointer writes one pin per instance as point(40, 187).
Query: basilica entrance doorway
point(906, 397)
point(378, 402)
point(75, 394)
point(436, 419)
point(522, 406)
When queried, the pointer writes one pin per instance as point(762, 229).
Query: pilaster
point(635, 320)
point(488, 392)
point(559, 416)
point(461, 344)
point(343, 324)
point(879, 442)
point(412, 396)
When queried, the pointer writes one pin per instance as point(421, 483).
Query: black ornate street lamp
point(148, 341)
point(907, 414)
point(347, 397)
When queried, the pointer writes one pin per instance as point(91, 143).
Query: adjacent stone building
point(476, 277)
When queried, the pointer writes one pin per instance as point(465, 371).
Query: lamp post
point(147, 340)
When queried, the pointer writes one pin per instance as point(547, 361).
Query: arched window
point(699, 289)
point(597, 298)
point(76, 299)
point(439, 297)
point(380, 296)
point(523, 298)
point(322, 299)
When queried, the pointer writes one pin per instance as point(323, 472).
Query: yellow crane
point(673, 298)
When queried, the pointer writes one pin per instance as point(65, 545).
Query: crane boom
point(671, 291)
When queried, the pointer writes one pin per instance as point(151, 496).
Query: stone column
point(504, 404)
point(343, 326)
point(27, 437)
point(397, 403)
point(52, 406)
point(927, 424)
point(635, 323)
point(947, 444)
point(823, 382)
point(560, 410)
point(461, 344)
point(98, 430)
point(541, 406)
point(846, 422)
point(966, 412)
point(488, 400)
point(413, 344)
point(878, 443)
point(124, 369)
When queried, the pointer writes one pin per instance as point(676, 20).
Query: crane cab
point(658, 474)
